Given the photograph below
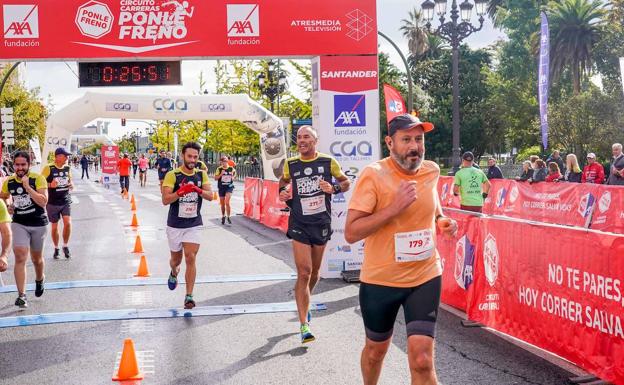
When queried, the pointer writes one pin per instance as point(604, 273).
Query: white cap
point(591, 155)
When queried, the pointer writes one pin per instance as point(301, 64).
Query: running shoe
point(306, 334)
point(222, 220)
point(39, 288)
point(21, 301)
point(66, 252)
point(172, 282)
point(57, 253)
point(229, 221)
point(188, 301)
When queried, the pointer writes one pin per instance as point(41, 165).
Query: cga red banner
point(171, 29)
point(110, 157)
point(558, 288)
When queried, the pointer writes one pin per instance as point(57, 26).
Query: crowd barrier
point(599, 207)
point(557, 287)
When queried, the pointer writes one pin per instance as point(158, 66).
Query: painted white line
point(152, 197)
point(137, 326)
point(145, 361)
point(97, 198)
point(138, 298)
point(272, 243)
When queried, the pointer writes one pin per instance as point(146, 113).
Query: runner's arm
point(4, 192)
point(45, 171)
point(342, 179)
point(206, 187)
point(168, 196)
point(5, 231)
point(217, 174)
point(361, 224)
point(40, 195)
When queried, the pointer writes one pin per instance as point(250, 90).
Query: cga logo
point(604, 202)
point(490, 259)
point(349, 110)
point(21, 21)
point(348, 148)
point(243, 20)
point(178, 105)
point(586, 205)
point(125, 107)
point(464, 262)
point(216, 107)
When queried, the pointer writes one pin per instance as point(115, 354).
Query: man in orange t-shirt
point(395, 208)
point(123, 166)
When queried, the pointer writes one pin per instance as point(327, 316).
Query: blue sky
point(63, 86)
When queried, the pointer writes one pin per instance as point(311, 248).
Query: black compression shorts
point(318, 234)
point(380, 305)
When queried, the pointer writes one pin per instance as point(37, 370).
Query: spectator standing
point(527, 172)
point(554, 175)
point(539, 173)
point(556, 157)
point(472, 184)
point(84, 162)
point(573, 170)
point(593, 172)
point(493, 171)
point(533, 159)
point(616, 176)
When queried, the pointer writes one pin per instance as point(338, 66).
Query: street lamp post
point(273, 85)
point(206, 142)
point(454, 32)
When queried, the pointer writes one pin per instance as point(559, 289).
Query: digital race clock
point(139, 73)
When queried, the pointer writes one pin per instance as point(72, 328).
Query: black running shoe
point(21, 301)
point(39, 288)
point(229, 221)
point(66, 252)
point(57, 253)
point(188, 301)
point(222, 220)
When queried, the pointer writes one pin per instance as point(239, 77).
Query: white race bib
point(62, 181)
point(187, 210)
point(226, 179)
point(413, 246)
point(313, 205)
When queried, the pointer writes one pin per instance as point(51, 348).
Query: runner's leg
point(228, 210)
point(190, 254)
point(67, 227)
point(317, 259)
point(372, 359)
point(303, 262)
point(19, 271)
point(55, 234)
point(420, 357)
point(38, 263)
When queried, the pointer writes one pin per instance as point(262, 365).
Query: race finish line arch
point(339, 37)
point(63, 123)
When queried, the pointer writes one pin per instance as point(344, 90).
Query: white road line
point(97, 198)
point(152, 197)
point(138, 298)
point(272, 243)
point(137, 326)
point(145, 361)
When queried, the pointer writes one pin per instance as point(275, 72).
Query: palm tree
point(575, 29)
point(413, 29)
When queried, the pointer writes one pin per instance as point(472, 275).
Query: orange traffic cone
point(138, 246)
point(135, 222)
point(132, 205)
point(143, 271)
point(132, 199)
point(128, 366)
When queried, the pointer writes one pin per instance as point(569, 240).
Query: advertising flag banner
point(110, 157)
point(395, 105)
point(544, 67)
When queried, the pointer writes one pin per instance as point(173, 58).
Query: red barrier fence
point(598, 207)
point(559, 288)
point(262, 203)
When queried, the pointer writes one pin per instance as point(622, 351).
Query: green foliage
point(525, 153)
point(92, 149)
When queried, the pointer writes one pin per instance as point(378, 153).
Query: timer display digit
point(129, 73)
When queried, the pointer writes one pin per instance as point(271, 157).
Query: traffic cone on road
point(138, 246)
point(142, 271)
point(132, 205)
point(135, 222)
point(128, 366)
point(132, 199)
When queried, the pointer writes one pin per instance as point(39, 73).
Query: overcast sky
point(63, 85)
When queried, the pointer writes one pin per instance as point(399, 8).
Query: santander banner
point(88, 29)
point(110, 157)
point(345, 100)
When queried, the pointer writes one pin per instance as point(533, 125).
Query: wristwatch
point(337, 188)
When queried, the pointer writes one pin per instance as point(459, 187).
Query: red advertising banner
point(252, 197)
point(445, 190)
point(110, 157)
point(608, 213)
point(271, 214)
point(558, 288)
point(395, 105)
point(353, 75)
point(171, 29)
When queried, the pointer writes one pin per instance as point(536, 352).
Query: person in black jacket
point(84, 162)
point(540, 173)
point(573, 171)
point(493, 171)
point(555, 157)
point(527, 172)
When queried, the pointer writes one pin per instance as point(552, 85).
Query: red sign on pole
point(89, 29)
point(394, 102)
point(110, 157)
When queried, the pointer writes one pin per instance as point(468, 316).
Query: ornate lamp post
point(454, 31)
point(273, 84)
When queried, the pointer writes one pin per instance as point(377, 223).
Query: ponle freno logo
point(605, 202)
point(243, 22)
point(490, 259)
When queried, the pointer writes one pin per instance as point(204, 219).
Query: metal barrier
point(242, 171)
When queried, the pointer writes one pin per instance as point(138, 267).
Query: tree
point(576, 29)
point(413, 29)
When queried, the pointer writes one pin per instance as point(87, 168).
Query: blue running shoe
point(306, 334)
point(172, 282)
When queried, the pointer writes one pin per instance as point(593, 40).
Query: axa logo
point(170, 105)
point(21, 21)
point(348, 148)
point(349, 110)
point(490, 259)
point(243, 20)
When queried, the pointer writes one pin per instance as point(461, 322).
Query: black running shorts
point(380, 305)
point(318, 234)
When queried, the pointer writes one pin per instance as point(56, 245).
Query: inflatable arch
point(63, 123)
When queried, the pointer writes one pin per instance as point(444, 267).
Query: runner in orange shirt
point(123, 166)
point(395, 208)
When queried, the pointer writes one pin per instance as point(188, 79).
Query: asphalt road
point(224, 349)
